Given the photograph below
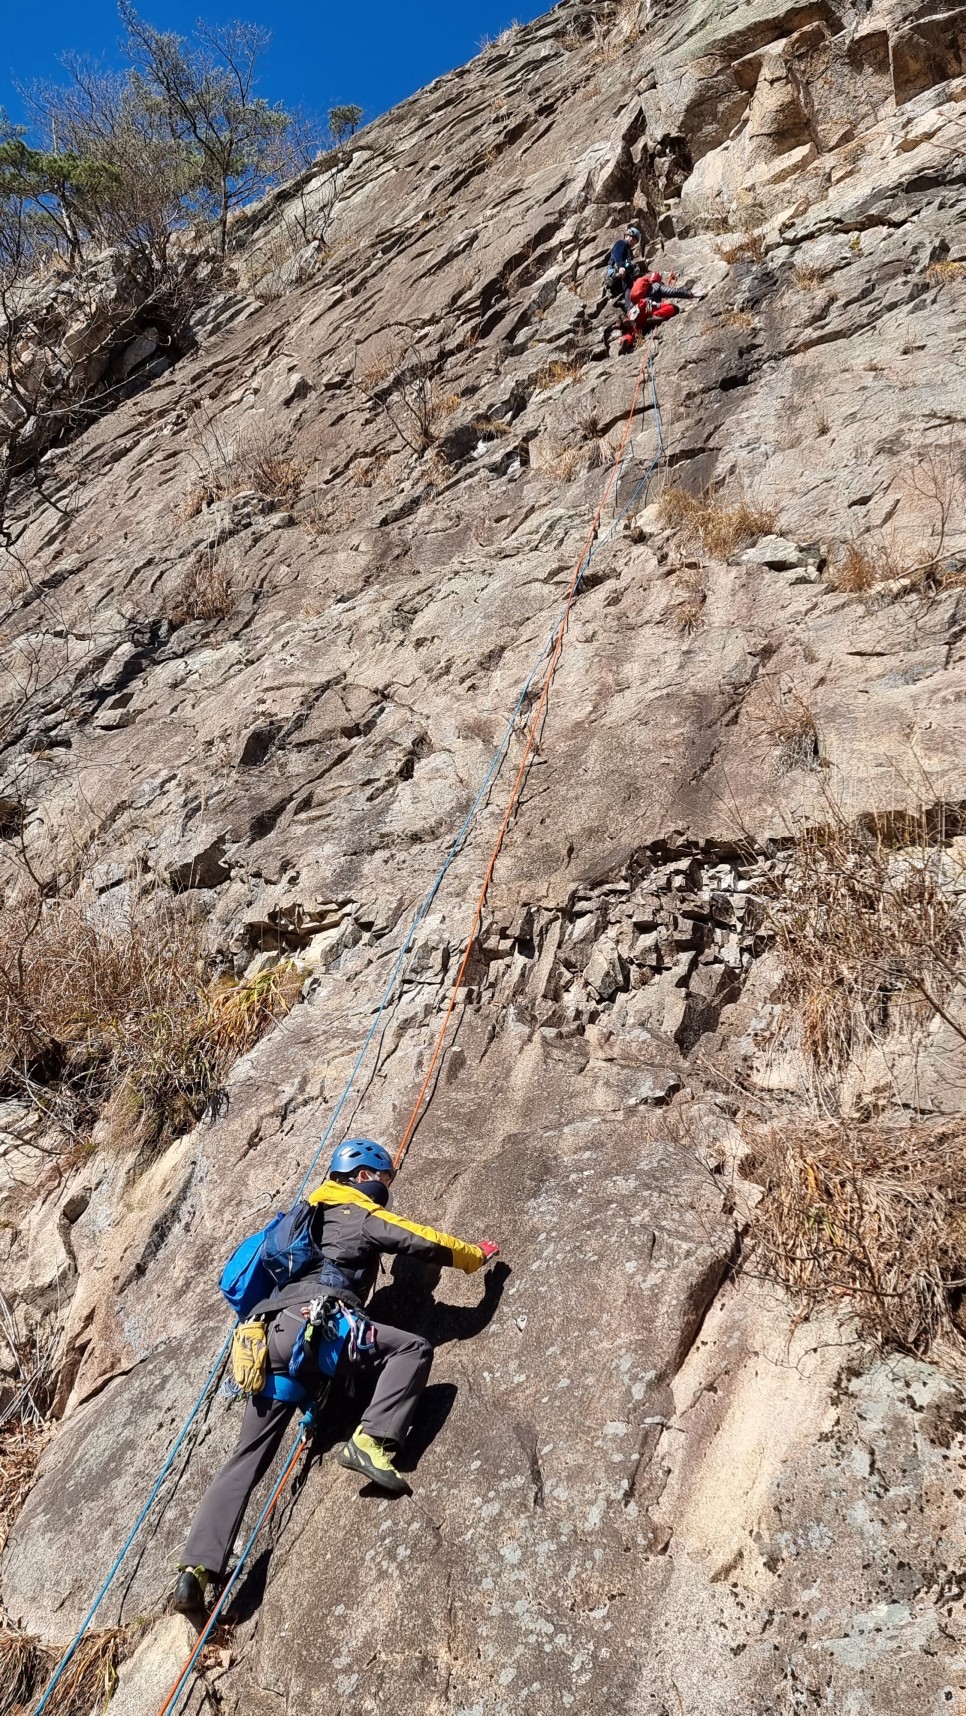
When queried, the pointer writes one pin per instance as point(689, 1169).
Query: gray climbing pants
point(403, 1362)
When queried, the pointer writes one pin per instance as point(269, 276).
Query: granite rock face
point(268, 621)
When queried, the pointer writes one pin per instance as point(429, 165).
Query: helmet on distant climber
point(633, 233)
point(356, 1153)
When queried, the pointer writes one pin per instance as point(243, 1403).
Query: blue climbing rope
point(142, 1516)
point(301, 1441)
point(430, 896)
point(488, 780)
point(387, 998)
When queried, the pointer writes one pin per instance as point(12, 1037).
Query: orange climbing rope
point(533, 729)
point(181, 1683)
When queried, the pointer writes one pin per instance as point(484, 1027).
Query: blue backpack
point(280, 1252)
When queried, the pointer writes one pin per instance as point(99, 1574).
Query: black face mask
point(373, 1189)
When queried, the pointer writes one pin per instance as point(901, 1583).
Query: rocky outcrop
point(88, 336)
point(280, 607)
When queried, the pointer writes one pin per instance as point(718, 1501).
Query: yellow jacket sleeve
point(463, 1256)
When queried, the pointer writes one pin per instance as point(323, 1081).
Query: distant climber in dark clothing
point(649, 302)
point(352, 1230)
point(621, 265)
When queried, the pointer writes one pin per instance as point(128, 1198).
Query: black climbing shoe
point(366, 1454)
point(189, 1593)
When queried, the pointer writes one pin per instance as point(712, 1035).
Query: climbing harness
point(533, 728)
point(389, 996)
point(549, 655)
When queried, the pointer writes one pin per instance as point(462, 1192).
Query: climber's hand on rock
point(489, 1249)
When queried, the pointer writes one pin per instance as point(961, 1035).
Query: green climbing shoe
point(189, 1593)
point(364, 1453)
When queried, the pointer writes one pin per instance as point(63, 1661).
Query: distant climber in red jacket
point(650, 303)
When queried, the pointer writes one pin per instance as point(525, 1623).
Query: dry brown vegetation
point(232, 464)
point(857, 569)
point(868, 1215)
point(285, 259)
point(329, 516)
point(871, 1219)
point(87, 1684)
point(558, 370)
point(806, 278)
point(619, 25)
point(21, 1446)
point(365, 473)
point(739, 319)
point(939, 273)
point(688, 607)
point(204, 591)
point(788, 722)
point(746, 245)
point(555, 458)
point(403, 383)
point(491, 428)
point(939, 481)
point(98, 1003)
point(870, 932)
point(706, 518)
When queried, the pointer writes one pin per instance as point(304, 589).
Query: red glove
point(489, 1249)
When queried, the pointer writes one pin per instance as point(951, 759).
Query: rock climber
point(351, 1232)
point(621, 265)
point(650, 302)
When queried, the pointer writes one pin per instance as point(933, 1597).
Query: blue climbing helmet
point(356, 1153)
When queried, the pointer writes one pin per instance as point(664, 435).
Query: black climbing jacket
point(351, 1233)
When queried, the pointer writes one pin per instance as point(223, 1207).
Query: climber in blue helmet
point(351, 1230)
point(621, 266)
point(356, 1230)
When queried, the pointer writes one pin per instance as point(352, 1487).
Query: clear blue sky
point(323, 51)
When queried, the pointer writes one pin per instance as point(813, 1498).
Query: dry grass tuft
point(204, 591)
point(230, 465)
point(24, 1665)
point(739, 319)
point(491, 428)
point(96, 1005)
point(745, 246)
point(858, 567)
point(87, 1684)
point(401, 381)
point(940, 273)
point(806, 278)
point(870, 927)
point(554, 458)
point(686, 611)
point(21, 1446)
point(611, 33)
point(195, 501)
point(277, 477)
point(789, 725)
point(719, 528)
point(366, 473)
point(872, 1219)
point(856, 571)
point(329, 517)
point(559, 370)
